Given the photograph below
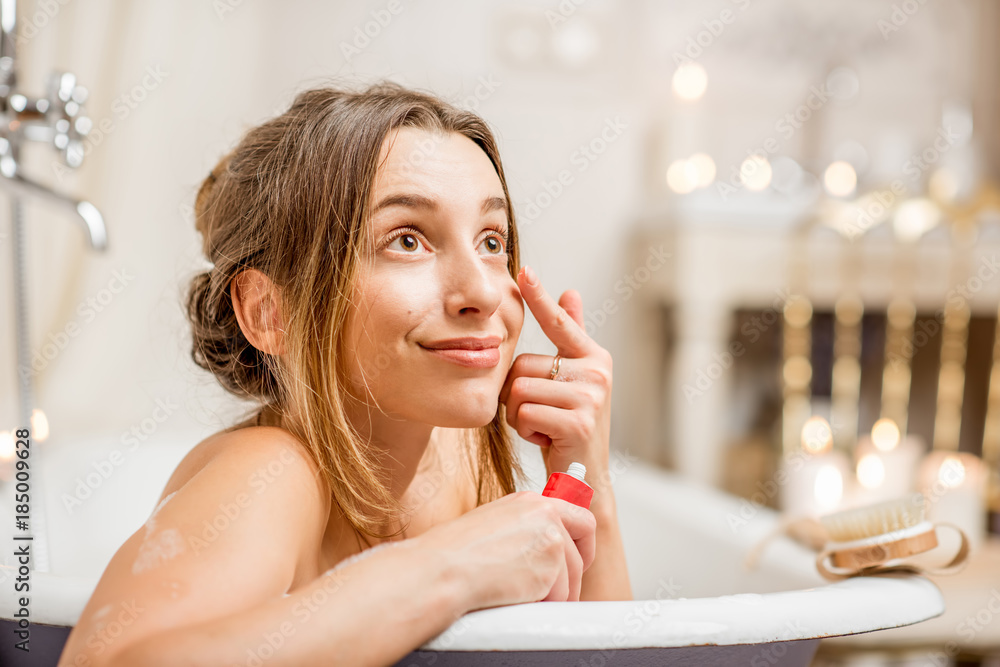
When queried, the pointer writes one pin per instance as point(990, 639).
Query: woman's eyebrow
point(494, 204)
point(405, 200)
point(410, 200)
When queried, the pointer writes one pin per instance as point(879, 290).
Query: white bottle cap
point(577, 470)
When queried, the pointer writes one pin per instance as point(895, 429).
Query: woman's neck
point(401, 444)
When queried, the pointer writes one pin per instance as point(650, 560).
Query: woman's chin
point(464, 418)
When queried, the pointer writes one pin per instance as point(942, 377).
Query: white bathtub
point(694, 603)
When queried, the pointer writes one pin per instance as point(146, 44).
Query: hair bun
point(203, 199)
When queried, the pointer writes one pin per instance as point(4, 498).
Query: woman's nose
point(470, 284)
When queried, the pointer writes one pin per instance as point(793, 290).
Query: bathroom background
point(783, 218)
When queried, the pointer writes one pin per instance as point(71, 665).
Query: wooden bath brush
point(869, 540)
point(878, 538)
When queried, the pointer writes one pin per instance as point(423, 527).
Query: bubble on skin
point(151, 521)
point(100, 623)
point(163, 502)
point(157, 548)
point(175, 588)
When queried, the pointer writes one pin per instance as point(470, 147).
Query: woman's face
point(438, 272)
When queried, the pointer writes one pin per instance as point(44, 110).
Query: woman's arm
point(607, 577)
point(365, 613)
point(232, 537)
point(201, 583)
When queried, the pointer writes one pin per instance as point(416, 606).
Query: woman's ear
point(257, 304)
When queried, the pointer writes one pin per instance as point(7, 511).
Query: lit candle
point(886, 464)
point(814, 479)
point(39, 425)
point(954, 484)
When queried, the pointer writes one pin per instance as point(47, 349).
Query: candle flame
point(828, 487)
point(817, 436)
point(871, 471)
point(39, 425)
point(952, 472)
point(885, 435)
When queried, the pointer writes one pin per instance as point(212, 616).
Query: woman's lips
point(487, 358)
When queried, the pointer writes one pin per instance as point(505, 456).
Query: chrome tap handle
point(63, 109)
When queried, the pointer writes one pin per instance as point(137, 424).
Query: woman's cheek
point(516, 319)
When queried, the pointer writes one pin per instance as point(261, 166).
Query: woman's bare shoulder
point(234, 440)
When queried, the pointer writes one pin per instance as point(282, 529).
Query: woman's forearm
point(607, 577)
point(370, 612)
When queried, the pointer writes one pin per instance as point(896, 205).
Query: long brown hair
point(293, 200)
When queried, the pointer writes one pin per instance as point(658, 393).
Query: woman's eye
point(408, 242)
point(495, 244)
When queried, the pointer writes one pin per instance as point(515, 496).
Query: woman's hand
point(523, 547)
point(568, 417)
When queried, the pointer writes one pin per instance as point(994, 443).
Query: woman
point(366, 290)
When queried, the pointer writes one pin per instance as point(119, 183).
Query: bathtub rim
point(852, 606)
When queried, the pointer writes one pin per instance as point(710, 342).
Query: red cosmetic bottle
point(570, 486)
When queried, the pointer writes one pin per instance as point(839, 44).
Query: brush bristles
point(879, 519)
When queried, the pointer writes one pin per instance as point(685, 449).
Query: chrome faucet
point(58, 119)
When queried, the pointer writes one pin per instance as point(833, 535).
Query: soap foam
point(158, 548)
